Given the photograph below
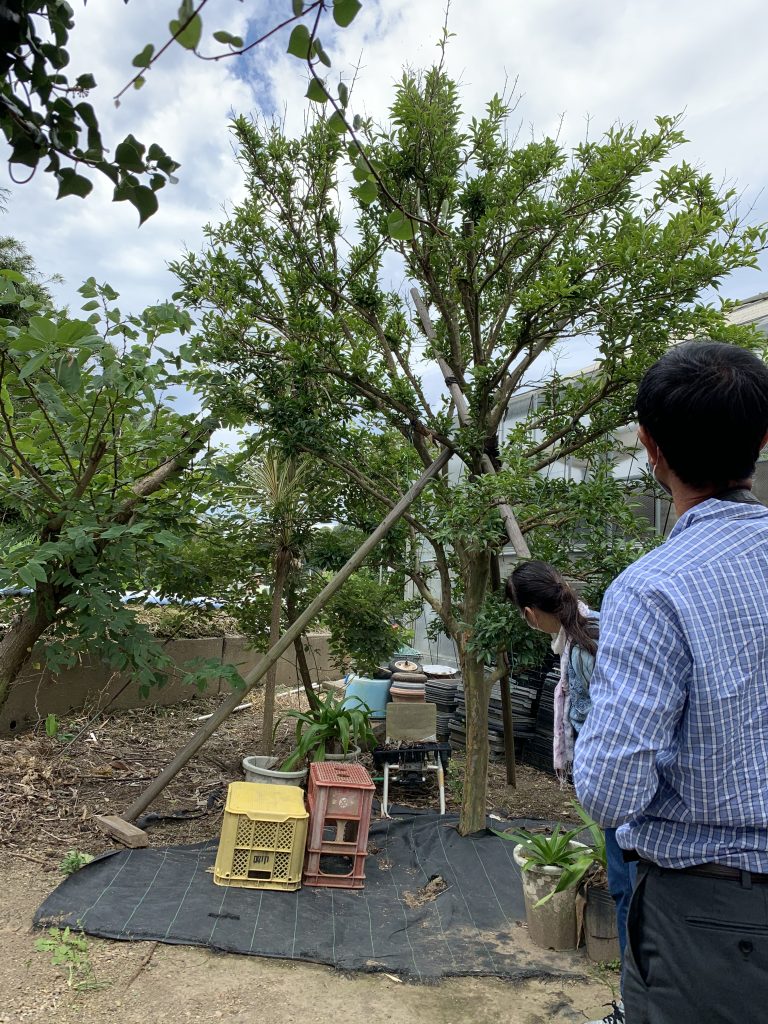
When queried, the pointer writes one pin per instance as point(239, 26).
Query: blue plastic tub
point(373, 692)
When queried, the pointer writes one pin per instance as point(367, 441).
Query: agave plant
point(559, 850)
point(336, 725)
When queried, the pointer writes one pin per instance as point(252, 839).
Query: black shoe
point(616, 1016)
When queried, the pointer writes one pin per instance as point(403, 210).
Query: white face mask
point(652, 471)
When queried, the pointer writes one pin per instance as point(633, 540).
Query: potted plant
point(551, 867)
point(600, 928)
point(335, 729)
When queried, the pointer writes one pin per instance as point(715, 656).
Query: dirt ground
point(50, 788)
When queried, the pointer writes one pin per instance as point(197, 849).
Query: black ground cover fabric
point(471, 928)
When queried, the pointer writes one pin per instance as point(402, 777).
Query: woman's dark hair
point(706, 406)
point(537, 584)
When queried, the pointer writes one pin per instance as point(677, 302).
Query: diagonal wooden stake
point(112, 823)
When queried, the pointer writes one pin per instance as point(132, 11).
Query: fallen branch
point(147, 957)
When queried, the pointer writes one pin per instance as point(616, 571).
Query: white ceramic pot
point(552, 926)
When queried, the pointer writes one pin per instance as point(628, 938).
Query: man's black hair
point(705, 405)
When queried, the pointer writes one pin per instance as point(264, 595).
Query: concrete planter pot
point(552, 926)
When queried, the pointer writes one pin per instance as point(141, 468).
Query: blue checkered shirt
point(675, 748)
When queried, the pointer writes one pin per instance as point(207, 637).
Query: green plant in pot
point(335, 726)
point(556, 850)
point(551, 866)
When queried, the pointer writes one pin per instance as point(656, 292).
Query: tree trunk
point(18, 641)
point(477, 694)
point(304, 673)
point(301, 658)
point(281, 566)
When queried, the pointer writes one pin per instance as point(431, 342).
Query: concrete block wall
point(38, 693)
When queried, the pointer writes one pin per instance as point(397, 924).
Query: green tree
point(518, 250)
point(31, 289)
point(99, 467)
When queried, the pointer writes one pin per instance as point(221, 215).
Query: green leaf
point(298, 8)
point(33, 365)
point(227, 37)
point(42, 329)
point(140, 82)
point(13, 275)
point(399, 226)
point(72, 184)
point(92, 304)
point(344, 11)
point(336, 123)
point(32, 573)
point(321, 54)
point(145, 201)
point(144, 59)
point(367, 192)
point(7, 292)
point(127, 155)
point(190, 35)
point(68, 374)
point(5, 402)
point(37, 571)
point(316, 91)
point(343, 94)
point(300, 42)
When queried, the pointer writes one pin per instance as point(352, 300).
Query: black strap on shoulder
point(742, 495)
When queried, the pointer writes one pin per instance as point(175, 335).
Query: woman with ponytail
point(548, 603)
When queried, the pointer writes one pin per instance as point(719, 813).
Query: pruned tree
point(519, 251)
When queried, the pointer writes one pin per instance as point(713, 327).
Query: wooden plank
point(121, 830)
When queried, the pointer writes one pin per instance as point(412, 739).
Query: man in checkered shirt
point(675, 748)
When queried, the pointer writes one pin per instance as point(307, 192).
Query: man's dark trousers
point(697, 949)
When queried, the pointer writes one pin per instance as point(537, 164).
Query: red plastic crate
point(340, 795)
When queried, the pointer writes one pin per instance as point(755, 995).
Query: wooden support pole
point(207, 729)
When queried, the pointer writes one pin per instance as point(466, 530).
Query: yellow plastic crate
point(263, 836)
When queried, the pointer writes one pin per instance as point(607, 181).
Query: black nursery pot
point(602, 937)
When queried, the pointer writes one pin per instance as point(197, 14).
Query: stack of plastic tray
point(442, 683)
point(340, 795)
point(263, 836)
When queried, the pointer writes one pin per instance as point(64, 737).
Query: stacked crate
point(263, 836)
point(340, 795)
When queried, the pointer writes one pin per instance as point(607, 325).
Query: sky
point(580, 67)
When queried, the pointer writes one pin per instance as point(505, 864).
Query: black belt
point(716, 871)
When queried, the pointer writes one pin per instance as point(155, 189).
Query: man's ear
point(649, 444)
